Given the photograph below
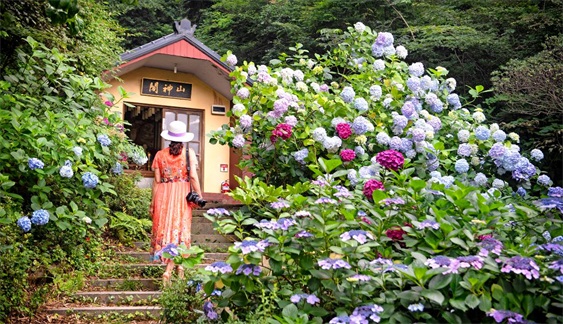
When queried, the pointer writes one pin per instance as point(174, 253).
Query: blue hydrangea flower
point(416, 307)
point(24, 223)
point(453, 99)
point(474, 261)
point(427, 83)
point(480, 179)
point(347, 94)
point(104, 140)
point(362, 314)
point(521, 192)
point(555, 192)
point(524, 170)
point(436, 105)
point(408, 110)
point(536, 155)
point(77, 151)
point(66, 170)
point(170, 248)
point(40, 217)
point(511, 317)
point(498, 184)
point(35, 163)
point(89, 180)
point(395, 143)
point(510, 159)
point(461, 166)
point(117, 168)
point(482, 133)
point(499, 136)
point(544, 180)
point(361, 125)
point(399, 122)
point(413, 83)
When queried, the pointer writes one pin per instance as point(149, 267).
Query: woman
point(171, 214)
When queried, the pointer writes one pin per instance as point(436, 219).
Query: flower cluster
point(219, 267)
point(359, 236)
point(104, 140)
point(281, 224)
point(248, 269)
point(310, 299)
point(35, 163)
point(370, 186)
point(249, 246)
point(89, 180)
point(330, 263)
point(40, 217)
point(66, 170)
point(218, 211)
point(521, 265)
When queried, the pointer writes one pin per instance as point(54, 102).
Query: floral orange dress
point(171, 215)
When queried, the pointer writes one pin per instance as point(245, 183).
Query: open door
point(193, 119)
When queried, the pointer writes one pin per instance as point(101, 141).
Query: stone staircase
point(131, 291)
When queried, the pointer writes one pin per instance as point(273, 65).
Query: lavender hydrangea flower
point(218, 212)
point(238, 141)
point(359, 277)
point(300, 155)
point(249, 246)
point(375, 92)
point(382, 138)
point(416, 307)
point(428, 223)
point(557, 265)
point(536, 155)
point(401, 52)
point(497, 151)
point(464, 150)
point(231, 60)
point(302, 213)
point(249, 269)
point(335, 264)
point(208, 311)
point(490, 244)
point(347, 94)
point(24, 223)
point(319, 134)
point(480, 179)
point(279, 204)
point(453, 99)
point(501, 315)
point(89, 180)
point(499, 136)
point(310, 299)
point(35, 163)
point(326, 200)
point(361, 125)
point(521, 265)
point(104, 140)
point(474, 261)
point(362, 314)
point(170, 248)
point(443, 262)
point(416, 69)
point(359, 236)
point(555, 192)
point(243, 93)
point(361, 104)
point(342, 319)
point(392, 201)
point(246, 121)
point(219, 267)
point(303, 234)
point(544, 180)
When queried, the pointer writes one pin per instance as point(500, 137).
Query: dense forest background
point(513, 47)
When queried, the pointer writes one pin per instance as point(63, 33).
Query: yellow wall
point(203, 97)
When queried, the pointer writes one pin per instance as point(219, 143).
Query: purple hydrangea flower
point(249, 246)
point(342, 319)
point(238, 141)
point(544, 180)
point(335, 264)
point(555, 192)
point(501, 315)
point(170, 248)
point(209, 311)
point(303, 234)
point(326, 200)
point(497, 151)
point(360, 277)
point(416, 69)
point(347, 94)
point(444, 262)
point(218, 211)
point(490, 244)
point(557, 265)
point(362, 314)
point(249, 269)
point(280, 204)
point(521, 265)
point(359, 236)
point(551, 247)
point(392, 201)
point(473, 260)
point(219, 266)
point(428, 223)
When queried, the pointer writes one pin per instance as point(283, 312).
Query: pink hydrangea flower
point(344, 131)
point(390, 159)
point(347, 155)
point(282, 130)
point(370, 186)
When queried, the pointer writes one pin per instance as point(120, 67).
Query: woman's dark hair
point(176, 148)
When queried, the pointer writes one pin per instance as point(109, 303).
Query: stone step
point(214, 247)
point(116, 297)
point(212, 238)
point(153, 311)
point(147, 284)
point(145, 256)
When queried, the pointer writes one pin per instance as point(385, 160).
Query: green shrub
point(182, 300)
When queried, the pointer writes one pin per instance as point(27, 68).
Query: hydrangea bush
point(379, 197)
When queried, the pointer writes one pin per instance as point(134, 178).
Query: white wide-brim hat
point(177, 132)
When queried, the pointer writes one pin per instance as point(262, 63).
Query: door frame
point(185, 110)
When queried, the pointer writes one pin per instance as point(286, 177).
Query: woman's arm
point(193, 173)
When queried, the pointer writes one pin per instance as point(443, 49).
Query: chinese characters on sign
point(162, 88)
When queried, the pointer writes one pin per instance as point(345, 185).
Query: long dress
point(172, 217)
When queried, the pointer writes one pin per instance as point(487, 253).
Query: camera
point(193, 197)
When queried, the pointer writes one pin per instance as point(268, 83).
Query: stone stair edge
point(101, 310)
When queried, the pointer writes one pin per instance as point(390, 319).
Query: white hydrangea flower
point(479, 117)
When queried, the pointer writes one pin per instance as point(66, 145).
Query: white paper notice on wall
point(224, 167)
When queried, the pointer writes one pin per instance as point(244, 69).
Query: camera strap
point(188, 166)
